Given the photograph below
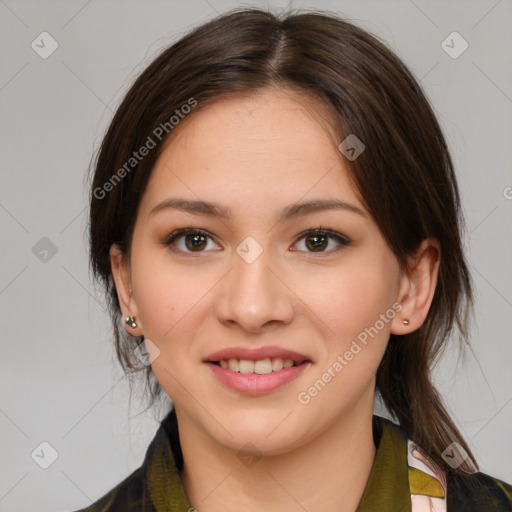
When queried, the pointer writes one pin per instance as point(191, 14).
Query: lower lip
point(254, 384)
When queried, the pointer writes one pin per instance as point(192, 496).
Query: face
point(256, 278)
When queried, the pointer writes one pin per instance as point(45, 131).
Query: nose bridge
point(253, 295)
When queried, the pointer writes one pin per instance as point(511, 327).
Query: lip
point(255, 354)
point(254, 384)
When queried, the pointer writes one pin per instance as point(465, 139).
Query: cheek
point(349, 304)
point(160, 291)
point(350, 299)
point(168, 303)
point(167, 307)
point(172, 303)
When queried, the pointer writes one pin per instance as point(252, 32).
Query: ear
point(120, 267)
point(417, 287)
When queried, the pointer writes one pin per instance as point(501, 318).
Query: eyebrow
point(216, 210)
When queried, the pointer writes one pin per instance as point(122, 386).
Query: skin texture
point(257, 154)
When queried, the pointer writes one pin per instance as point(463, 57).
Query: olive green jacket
point(401, 480)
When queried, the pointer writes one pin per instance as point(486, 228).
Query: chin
point(272, 437)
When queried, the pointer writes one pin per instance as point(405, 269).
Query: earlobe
point(418, 287)
point(121, 275)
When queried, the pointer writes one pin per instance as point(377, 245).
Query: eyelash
point(338, 237)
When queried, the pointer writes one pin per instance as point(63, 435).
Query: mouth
point(258, 376)
point(259, 367)
point(257, 370)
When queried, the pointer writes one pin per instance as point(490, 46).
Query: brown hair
point(405, 175)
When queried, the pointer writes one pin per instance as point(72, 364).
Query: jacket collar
point(387, 487)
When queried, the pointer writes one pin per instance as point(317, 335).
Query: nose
point(254, 295)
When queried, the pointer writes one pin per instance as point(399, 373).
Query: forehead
point(265, 146)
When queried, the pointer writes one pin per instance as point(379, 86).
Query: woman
point(276, 220)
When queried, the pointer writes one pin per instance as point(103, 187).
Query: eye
point(316, 240)
point(195, 240)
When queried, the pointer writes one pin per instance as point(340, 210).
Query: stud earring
point(406, 321)
point(130, 320)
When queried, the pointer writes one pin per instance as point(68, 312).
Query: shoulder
point(466, 492)
point(478, 492)
point(125, 496)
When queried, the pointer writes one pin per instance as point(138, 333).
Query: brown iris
point(318, 240)
point(196, 242)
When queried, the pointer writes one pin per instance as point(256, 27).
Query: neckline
point(387, 487)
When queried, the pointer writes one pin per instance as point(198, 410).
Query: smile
point(242, 375)
point(260, 367)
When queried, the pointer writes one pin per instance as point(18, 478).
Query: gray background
point(60, 381)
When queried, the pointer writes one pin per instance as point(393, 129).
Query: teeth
point(277, 364)
point(233, 365)
point(260, 367)
point(245, 366)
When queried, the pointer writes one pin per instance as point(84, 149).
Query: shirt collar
point(387, 487)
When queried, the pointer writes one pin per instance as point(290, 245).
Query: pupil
point(195, 238)
point(318, 241)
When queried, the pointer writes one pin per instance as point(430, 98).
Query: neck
point(328, 473)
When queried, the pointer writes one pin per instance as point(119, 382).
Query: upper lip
point(255, 354)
